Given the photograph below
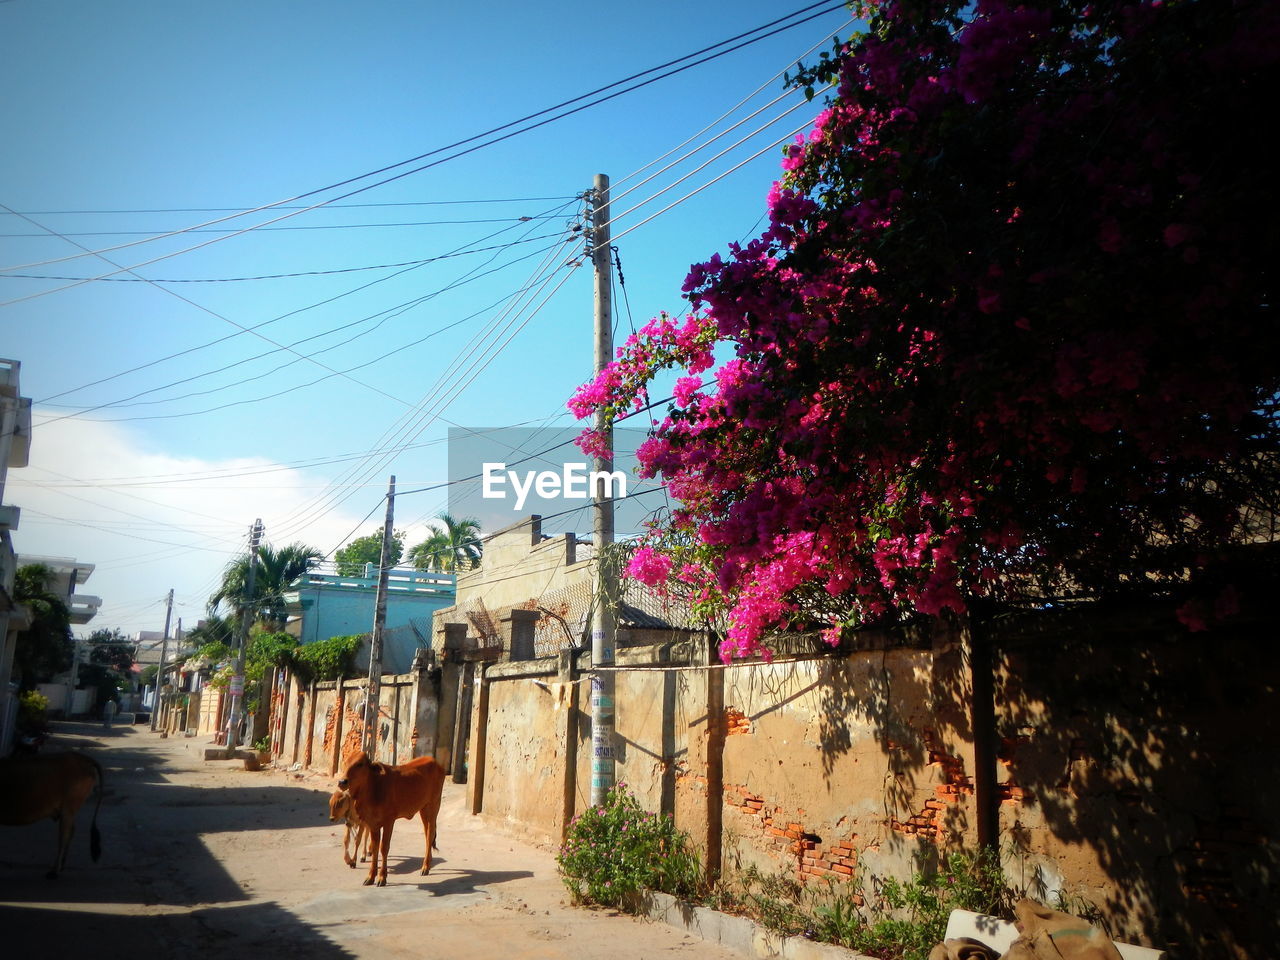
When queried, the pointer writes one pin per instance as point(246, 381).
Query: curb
point(738, 933)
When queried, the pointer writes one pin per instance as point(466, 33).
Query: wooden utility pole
point(247, 610)
point(603, 621)
point(164, 653)
point(373, 691)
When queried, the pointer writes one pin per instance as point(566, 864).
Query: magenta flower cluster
point(1006, 338)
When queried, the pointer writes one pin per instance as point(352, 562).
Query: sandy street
point(208, 860)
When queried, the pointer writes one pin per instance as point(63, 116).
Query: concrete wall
point(521, 570)
point(517, 557)
point(525, 754)
point(1135, 775)
point(320, 725)
point(1138, 773)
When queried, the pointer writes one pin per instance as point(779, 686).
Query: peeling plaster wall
point(1138, 775)
point(330, 740)
point(525, 758)
point(1136, 770)
point(829, 763)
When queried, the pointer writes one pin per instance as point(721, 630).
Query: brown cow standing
point(383, 793)
point(341, 807)
point(55, 785)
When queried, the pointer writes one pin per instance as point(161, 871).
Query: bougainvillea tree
point(1009, 336)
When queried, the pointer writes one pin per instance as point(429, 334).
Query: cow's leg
point(385, 846)
point(428, 828)
point(375, 834)
point(66, 827)
point(347, 858)
point(367, 834)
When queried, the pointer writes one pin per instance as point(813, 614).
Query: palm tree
point(276, 569)
point(454, 545)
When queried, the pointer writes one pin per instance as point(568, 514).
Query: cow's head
point(358, 773)
point(339, 805)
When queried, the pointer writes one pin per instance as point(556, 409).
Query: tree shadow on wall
point(905, 691)
point(1124, 735)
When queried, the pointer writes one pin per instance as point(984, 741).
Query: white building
point(15, 444)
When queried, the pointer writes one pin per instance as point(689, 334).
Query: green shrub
point(33, 709)
point(331, 659)
point(905, 920)
point(617, 850)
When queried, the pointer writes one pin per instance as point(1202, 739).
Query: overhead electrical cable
point(762, 32)
point(299, 273)
point(336, 206)
point(429, 415)
point(385, 442)
point(313, 226)
point(482, 358)
point(618, 181)
point(118, 533)
point(385, 315)
point(230, 336)
point(717, 179)
point(260, 336)
point(702, 166)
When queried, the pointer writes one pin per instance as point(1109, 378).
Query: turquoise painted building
point(324, 604)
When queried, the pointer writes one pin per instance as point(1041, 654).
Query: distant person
point(108, 713)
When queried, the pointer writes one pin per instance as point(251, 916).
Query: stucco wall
point(829, 762)
point(1139, 775)
point(1136, 768)
point(520, 570)
point(525, 756)
point(322, 724)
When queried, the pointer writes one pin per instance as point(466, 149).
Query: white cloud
point(149, 521)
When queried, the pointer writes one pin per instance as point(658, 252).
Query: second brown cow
point(383, 794)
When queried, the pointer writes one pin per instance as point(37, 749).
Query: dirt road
point(208, 860)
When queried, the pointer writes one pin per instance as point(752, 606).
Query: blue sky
point(163, 429)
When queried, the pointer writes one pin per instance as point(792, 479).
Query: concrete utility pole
point(373, 691)
point(164, 653)
point(247, 610)
point(603, 622)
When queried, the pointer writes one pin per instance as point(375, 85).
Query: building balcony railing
point(401, 580)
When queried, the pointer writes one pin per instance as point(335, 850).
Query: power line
point(478, 365)
point(287, 276)
point(335, 206)
point(386, 315)
point(230, 336)
point(745, 100)
point(460, 143)
point(702, 166)
point(314, 226)
point(717, 179)
point(381, 445)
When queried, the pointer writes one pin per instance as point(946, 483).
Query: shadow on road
point(268, 931)
point(469, 881)
point(157, 882)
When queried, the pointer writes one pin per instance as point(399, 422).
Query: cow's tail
point(95, 838)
